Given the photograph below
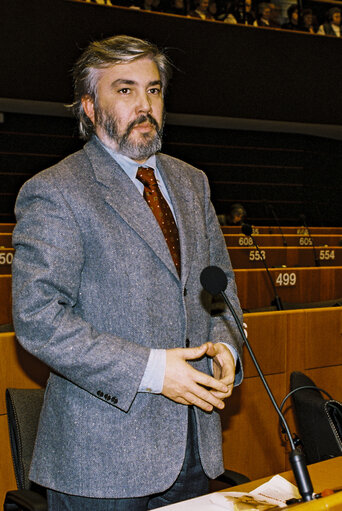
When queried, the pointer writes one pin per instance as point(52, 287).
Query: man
point(333, 25)
point(112, 302)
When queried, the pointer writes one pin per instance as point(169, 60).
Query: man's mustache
point(140, 120)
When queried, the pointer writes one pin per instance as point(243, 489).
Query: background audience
point(242, 12)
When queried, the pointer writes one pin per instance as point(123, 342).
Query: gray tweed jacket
point(94, 289)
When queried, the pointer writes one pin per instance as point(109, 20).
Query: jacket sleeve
point(47, 272)
point(223, 326)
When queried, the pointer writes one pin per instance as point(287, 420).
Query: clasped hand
point(188, 386)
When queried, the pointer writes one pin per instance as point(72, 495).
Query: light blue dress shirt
point(153, 378)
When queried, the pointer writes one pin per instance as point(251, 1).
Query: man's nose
point(143, 102)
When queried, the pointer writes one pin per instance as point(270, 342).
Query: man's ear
point(88, 107)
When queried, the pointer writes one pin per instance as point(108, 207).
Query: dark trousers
point(191, 482)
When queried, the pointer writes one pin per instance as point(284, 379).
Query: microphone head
point(213, 280)
point(246, 229)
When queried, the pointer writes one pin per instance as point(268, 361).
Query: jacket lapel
point(122, 195)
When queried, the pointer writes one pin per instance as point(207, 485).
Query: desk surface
point(326, 474)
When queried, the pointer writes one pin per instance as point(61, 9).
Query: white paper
point(274, 492)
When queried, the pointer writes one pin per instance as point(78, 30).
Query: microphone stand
point(296, 457)
point(303, 219)
point(247, 231)
point(275, 216)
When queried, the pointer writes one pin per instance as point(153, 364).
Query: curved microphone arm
point(214, 280)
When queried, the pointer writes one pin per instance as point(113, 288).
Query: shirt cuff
point(154, 374)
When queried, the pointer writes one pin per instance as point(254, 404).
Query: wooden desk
point(299, 230)
point(276, 240)
point(278, 257)
point(326, 474)
point(5, 299)
point(5, 239)
point(6, 227)
point(293, 285)
point(6, 259)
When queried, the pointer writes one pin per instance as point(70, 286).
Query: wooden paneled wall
point(306, 340)
point(18, 369)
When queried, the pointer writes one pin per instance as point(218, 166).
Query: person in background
point(237, 214)
point(180, 7)
point(263, 16)
point(275, 16)
point(292, 14)
point(308, 22)
point(110, 245)
point(203, 10)
point(241, 13)
point(333, 23)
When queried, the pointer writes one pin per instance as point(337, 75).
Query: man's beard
point(136, 150)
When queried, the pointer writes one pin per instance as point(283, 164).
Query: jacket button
point(100, 393)
point(107, 397)
point(187, 343)
point(114, 399)
point(185, 291)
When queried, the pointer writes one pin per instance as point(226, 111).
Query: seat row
point(240, 240)
point(293, 285)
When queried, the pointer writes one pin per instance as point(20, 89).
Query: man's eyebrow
point(126, 81)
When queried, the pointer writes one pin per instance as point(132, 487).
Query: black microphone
point(214, 281)
point(247, 231)
point(303, 219)
point(275, 216)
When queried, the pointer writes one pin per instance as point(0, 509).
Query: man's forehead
point(144, 68)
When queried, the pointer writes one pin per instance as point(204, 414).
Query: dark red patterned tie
point(161, 211)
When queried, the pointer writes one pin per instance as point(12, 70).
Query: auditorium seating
point(297, 279)
point(277, 240)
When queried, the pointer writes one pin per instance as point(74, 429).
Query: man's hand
point(184, 384)
point(224, 367)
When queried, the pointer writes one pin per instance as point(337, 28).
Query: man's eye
point(154, 91)
point(125, 90)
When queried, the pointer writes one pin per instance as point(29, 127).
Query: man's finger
point(194, 353)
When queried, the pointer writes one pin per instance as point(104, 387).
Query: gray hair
point(108, 52)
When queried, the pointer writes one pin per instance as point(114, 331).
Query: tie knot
point(146, 176)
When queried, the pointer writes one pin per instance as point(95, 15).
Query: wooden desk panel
point(276, 240)
point(284, 257)
point(6, 227)
point(5, 299)
point(252, 443)
point(293, 285)
point(6, 258)
point(323, 341)
point(299, 230)
point(18, 368)
point(269, 340)
point(5, 239)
